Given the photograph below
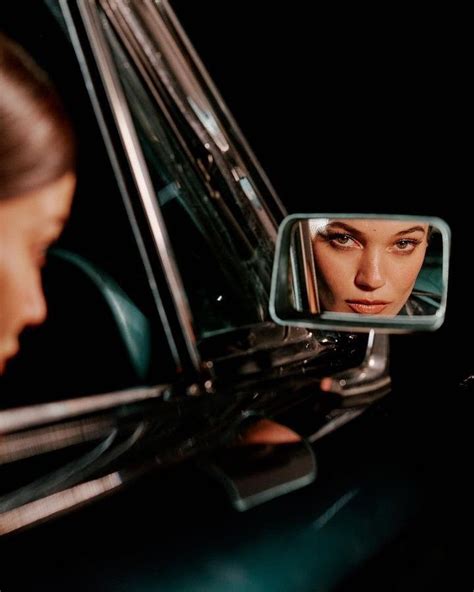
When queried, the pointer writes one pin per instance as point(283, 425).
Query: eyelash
point(412, 243)
point(331, 238)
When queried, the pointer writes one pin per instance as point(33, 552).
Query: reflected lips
point(367, 306)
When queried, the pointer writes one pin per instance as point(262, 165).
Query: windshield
point(222, 233)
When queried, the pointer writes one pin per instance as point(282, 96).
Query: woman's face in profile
point(29, 224)
point(368, 266)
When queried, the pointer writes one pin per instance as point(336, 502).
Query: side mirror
point(359, 272)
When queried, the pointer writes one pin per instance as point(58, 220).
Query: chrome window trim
point(170, 14)
point(230, 154)
point(118, 104)
point(194, 98)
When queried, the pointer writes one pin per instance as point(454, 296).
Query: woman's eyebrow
point(410, 230)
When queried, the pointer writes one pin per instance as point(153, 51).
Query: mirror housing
point(336, 271)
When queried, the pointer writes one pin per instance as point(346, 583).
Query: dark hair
point(36, 139)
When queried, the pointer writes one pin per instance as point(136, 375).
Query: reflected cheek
point(396, 306)
point(334, 275)
point(405, 276)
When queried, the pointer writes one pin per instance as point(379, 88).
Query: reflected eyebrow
point(359, 233)
point(344, 226)
point(410, 230)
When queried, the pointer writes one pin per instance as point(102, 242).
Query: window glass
point(223, 251)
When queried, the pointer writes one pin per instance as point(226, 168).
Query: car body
point(160, 340)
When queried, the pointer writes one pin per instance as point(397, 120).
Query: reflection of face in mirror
point(367, 266)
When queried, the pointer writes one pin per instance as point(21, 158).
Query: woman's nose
point(369, 275)
point(34, 304)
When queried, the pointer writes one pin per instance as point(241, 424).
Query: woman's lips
point(367, 306)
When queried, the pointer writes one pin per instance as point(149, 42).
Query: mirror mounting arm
point(370, 380)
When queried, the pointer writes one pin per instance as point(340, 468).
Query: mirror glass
point(361, 271)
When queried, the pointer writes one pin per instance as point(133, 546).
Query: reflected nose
point(370, 274)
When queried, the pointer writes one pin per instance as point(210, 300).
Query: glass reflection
point(376, 266)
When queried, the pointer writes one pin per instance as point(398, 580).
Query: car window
point(219, 230)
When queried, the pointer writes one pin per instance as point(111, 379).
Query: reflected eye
point(406, 246)
point(341, 240)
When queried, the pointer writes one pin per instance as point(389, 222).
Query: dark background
point(344, 108)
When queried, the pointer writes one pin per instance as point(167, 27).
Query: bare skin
point(29, 224)
point(368, 266)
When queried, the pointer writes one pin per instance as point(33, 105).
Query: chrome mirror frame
point(283, 312)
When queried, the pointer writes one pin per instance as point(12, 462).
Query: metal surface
point(368, 379)
point(118, 173)
point(131, 143)
point(20, 418)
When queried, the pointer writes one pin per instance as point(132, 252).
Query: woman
point(37, 182)
point(368, 266)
